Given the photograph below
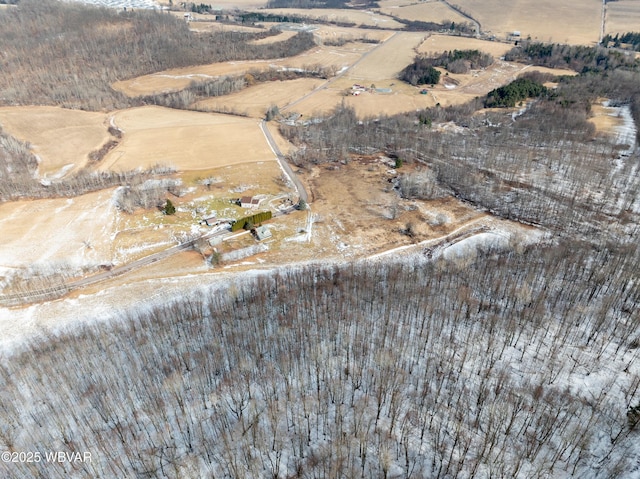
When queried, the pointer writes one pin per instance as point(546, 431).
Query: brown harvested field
point(184, 139)
point(357, 17)
point(436, 44)
point(622, 16)
point(330, 32)
point(479, 83)
point(386, 61)
point(177, 79)
point(403, 98)
point(280, 37)
point(427, 11)
point(569, 21)
point(209, 27)
point(67, 231)
point(61, 138)
point(254, 101)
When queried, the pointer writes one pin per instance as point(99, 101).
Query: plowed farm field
point(622, 16)
point(569, 21)
point(62, 139)
point(185, 140)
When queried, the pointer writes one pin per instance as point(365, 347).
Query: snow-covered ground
point(120, 3)
point(627, 131)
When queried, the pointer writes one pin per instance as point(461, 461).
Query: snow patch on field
point(626, 132)
point(119, 3)
point(75, 231)
point(470, 246)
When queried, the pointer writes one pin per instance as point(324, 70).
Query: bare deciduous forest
point(515, 361)
point(513, 365)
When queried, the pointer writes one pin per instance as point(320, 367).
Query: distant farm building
point(357, 89)
point(262, 233)
point(249, 202)
point(211, 221)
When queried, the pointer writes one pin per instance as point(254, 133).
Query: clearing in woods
point(329, 33)
point(186, 140)
point(61, 138)
point(569, 21)
point(280, 37)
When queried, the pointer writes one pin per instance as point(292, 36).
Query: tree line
point(580, 58)
point(513, 93)
point(629, 38)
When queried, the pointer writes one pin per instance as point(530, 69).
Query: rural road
point(62, 289)
point(602, 21)
point(302, 192)
point(147, 260)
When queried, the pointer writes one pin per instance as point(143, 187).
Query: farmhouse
point(357, 89)
point(249, 202)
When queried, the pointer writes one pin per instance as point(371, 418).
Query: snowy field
point(120, 3)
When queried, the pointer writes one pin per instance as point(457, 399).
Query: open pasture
point(388, 59)
point(622, 16)
point(280, 37)
point(61, 138)
point(185, 140)
point(208, 26)
point(569, 21)
point(437, 44)
point(64, 232)
point(401, 98)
